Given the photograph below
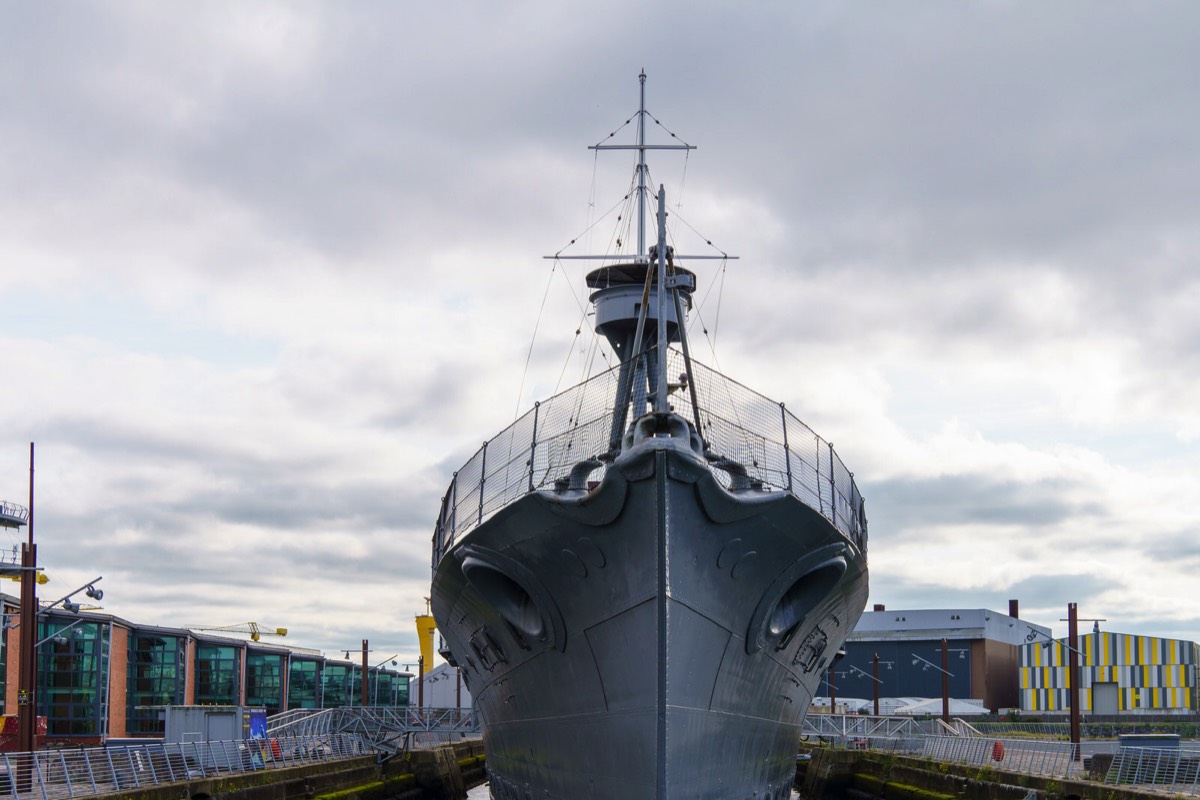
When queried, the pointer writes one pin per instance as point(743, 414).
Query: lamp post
point(876, 677)
point(364, 673)
point(946, 676)
point(27, 668)
point(378, 674)
point(945, 682)
point(1072, 671)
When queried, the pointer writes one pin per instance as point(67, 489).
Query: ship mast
point(641, 167)
point(622, 301)
point(656, 266)
point(641, 147)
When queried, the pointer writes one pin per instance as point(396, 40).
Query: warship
point(644, 577)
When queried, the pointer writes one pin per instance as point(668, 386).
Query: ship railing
point(126, 767)
point(13, 515)
point(539, 450)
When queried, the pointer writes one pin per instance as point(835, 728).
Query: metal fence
point(1029, 756)
point(1174, 770)
point(1087, 729)
point(86, 772)
point(1169, 770)
point(739, 426)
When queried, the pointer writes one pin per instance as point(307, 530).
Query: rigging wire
point(682, 186)
point(711, 338)
point(664, 127)
point(570, 353)
point(618, 130)
point(533, 339)
point(588, 229)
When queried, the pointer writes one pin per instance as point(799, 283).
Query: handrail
point(540, 449)
point(12, 513)
point(118, 768)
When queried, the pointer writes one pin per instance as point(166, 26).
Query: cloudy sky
point(270, 273)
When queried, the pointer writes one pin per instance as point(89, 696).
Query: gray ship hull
point(658, 636)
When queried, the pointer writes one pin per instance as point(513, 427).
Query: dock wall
point(865, 775)
point(442, 773)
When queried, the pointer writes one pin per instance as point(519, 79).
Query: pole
point(945, 682)
point(458, 687)
point(832, 692)
point(421, 682)
point(1073, 676)
point(27, 664)
point(366, 673)
point(876, 684)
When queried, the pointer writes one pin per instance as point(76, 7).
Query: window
point(73, 676)
point(333, 685)
point(217, 671)
point(304, 684)
point(155, 678)
point(264, 680)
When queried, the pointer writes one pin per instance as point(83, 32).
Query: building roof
point(942, 623)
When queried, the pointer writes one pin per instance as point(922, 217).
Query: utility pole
point(945, 682)
point(366, 673)
point(1073, 677)
point(27, 668)
point(876, 676)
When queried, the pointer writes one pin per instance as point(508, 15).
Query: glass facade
point(218, 669)
point(156, 672)
point(354, 685)
point(73, 664)
point(264, 680)
point(304, 684)
point(75, 671)
point(383, 688)
point(333, 685)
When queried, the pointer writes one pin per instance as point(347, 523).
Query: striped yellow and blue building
point(1118, 673)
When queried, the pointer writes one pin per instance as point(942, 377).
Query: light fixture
point(70, 605)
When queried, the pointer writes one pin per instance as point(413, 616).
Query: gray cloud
point(910, 503)
point(358, 197)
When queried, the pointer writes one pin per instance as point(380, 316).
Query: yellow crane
point(425, 628)
point(253, 628)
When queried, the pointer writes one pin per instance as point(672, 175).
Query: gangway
point(858, 726)
point(388, 731)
